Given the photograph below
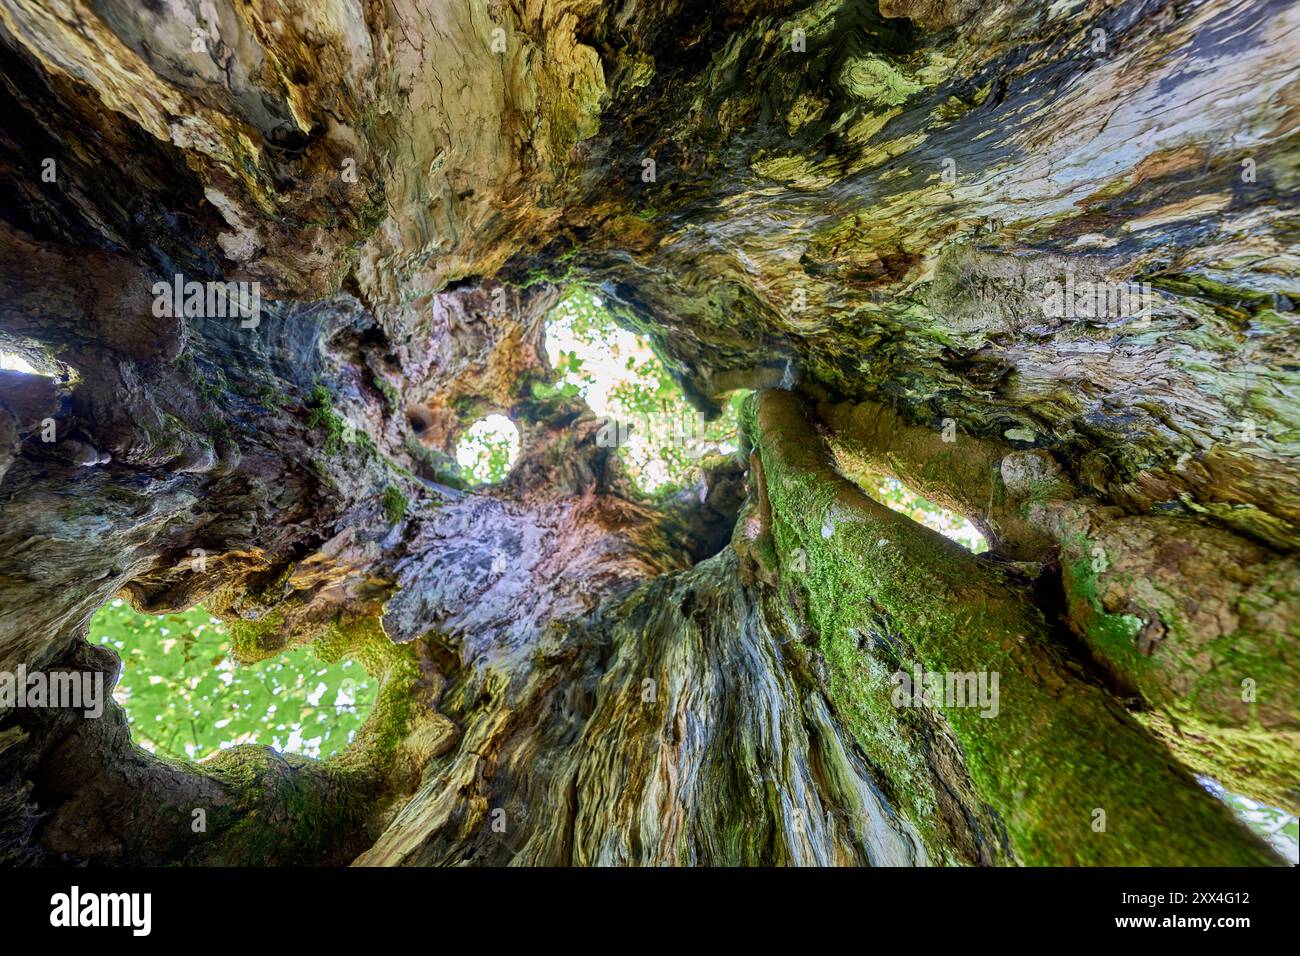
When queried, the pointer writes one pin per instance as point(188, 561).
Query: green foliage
point(488, 449)
point(619, 376)
point(185, 697)
point(896, 495)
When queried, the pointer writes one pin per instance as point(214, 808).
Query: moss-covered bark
point(1057, 750)
point(862, 202)
point(1197, 623)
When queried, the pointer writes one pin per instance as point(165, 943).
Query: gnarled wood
point(859, 206)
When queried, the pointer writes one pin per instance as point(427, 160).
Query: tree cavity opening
point(659, 436)
point(13, 362)
point(488, 449)
point(186, 698)
point(893, 494)
point(1277, 827)
point(29, 357)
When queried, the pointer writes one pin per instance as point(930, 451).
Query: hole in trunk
point(186, 698)
point(1279, 828)
point(13, 362)
point(894, 494)
point(657, 433)
point(488, 448)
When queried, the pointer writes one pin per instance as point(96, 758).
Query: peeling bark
point(856, 208)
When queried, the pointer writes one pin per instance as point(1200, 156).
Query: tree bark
point(855, 208)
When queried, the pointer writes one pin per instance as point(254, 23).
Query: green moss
point(322, 415)
point(794, 170)
point(363, 765)
point(394, 504)
point(877, 82)
point(363, 640)
point(1058, 749)
point(1040, 490)
point(842, 610)
point(442, 468)
point(169, 440)
point(1257, 763)
point(338, 434)
point(1111, 636)
point(272, 397)
point(255, 640)
point(1193, 687)
point(216, 425)
point(1219, 293)
point(365, 444)
point(281, 818)
point(390, 393)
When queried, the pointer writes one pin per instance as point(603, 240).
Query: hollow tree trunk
point(855, 208)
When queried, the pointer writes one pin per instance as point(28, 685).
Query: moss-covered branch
point(1201, 624)
point(1060, 750)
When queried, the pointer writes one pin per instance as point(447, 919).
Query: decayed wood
point(864, 202)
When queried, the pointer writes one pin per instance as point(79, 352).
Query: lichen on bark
point(858, 208)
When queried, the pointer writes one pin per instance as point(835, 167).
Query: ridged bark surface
point(857, 208)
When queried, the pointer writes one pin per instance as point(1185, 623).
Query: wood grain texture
point(858, 208)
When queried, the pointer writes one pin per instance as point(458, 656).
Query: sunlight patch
point(659, 436)
point(186, 698)
point(13, 362)
point(894, 494)
point(1279, 828)
point(488, 448)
